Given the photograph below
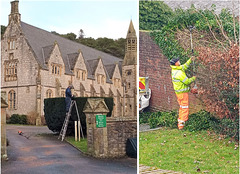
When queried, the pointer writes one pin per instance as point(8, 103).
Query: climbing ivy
point(164, 32)
point(216, 38)
point(153, 15)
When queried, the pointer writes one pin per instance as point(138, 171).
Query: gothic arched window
point(49, 93)
point(12, 99)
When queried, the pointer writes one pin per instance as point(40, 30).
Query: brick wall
point(155, 65)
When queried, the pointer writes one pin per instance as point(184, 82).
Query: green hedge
point(18, 119)
point(143, 117)
point(55, 112)
point(201, 120)
point(168, 119)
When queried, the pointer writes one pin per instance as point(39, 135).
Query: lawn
point(82, 145)
point(189, 152)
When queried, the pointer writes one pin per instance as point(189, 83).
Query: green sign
point(101, 121)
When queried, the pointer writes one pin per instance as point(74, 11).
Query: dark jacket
point(68, 95)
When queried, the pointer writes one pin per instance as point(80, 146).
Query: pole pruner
point(194, 90)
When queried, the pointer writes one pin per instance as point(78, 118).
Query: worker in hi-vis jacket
point(181, 85)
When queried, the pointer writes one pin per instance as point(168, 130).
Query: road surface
point(39, 152)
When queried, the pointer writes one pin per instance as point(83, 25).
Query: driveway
point(39, 152)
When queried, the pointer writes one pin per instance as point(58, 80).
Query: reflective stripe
point(181, 121)
point(175, 80)
point(182, 66)
point(175, 74)
point(184, 79)
point(181, 90)
point(184, 107)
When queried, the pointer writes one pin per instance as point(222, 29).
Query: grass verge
point(81, 145)
point(189, 152)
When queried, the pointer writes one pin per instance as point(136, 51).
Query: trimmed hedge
point(17, 119)
point(201, 120)
point(55, 112)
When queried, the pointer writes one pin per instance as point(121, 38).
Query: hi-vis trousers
point(183, 110)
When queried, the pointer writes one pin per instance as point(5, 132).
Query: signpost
point(100, 121)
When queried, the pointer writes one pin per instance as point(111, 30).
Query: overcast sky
point(109, 18)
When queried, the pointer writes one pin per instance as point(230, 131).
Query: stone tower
point(129, 74)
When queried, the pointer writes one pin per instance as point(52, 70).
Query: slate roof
point(110, 69)
point(46, 51)
point(72, 58)
point(93, 65)
point(42, 43)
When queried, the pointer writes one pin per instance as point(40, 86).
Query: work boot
point(181, 124)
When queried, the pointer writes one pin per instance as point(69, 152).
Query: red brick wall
point(155, 65)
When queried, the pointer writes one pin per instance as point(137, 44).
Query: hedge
point(55, 112)
point(201, 120)
point(17, 119)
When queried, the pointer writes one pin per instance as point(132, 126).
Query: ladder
point(66, 121)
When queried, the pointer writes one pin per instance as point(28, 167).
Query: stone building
point(37, 64)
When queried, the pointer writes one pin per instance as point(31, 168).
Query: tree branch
point(210, 28)
point(234, 25)
point(219, 21)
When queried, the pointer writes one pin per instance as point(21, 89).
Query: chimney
point(14, 16)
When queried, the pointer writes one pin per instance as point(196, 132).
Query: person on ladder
point(181, 85)
point(68, 98)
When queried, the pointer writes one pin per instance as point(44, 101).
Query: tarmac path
point(39, 152)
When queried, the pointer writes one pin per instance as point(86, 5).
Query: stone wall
point(3, 129)
point(109, 141)
point(155, 65)
point(118, 131)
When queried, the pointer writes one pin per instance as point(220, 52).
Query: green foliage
point(153, 119)
point(113, 47)
point(143, 117)
point(81, 145)
point(201, 120)
point(3, 28)
point(165, 36)
point(227, 127)
point(170, 47)
point(168, 119)
point(70, 36)
point(54, 32)
point(18, 119)
point(55, 112)
point(110, 46)
point(153, 15)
